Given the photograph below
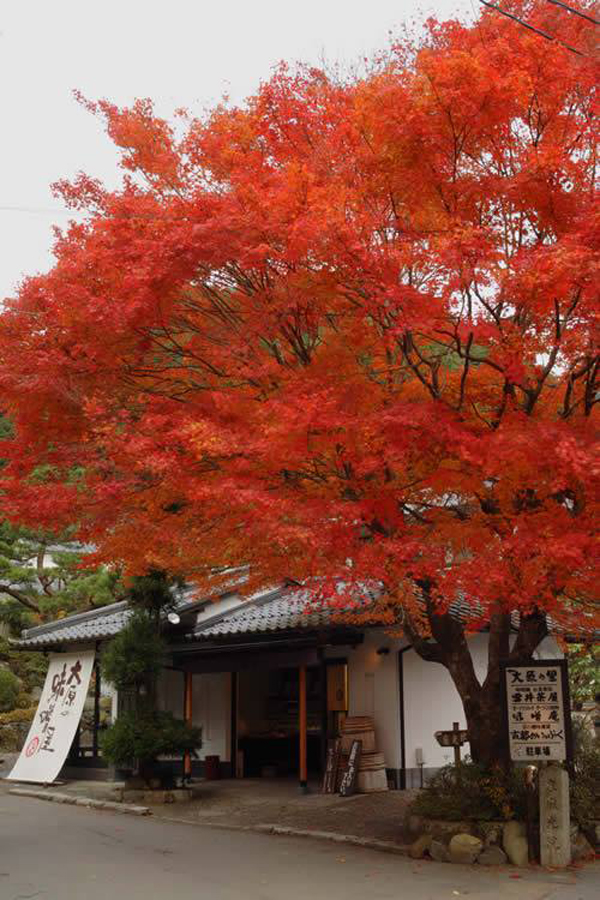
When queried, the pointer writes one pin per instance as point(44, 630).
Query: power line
point(576, 12)
point(544, 34)
point(125, 216)
point(38, 210)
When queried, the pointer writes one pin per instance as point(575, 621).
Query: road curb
point(89, 802)
point(288, 831)
point(334, 837)
point(281, 830)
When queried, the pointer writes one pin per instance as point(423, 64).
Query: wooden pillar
point(456, 729)
point(303, 728)
point(187, 715)
point(235, 768)
point(97, 689)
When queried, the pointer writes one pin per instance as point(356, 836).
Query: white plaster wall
point(548, 649)
point(373, 689)
point(211, 710)
point(432, 703)
point(211, 707)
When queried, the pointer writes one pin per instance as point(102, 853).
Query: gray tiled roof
point(88, 626)
point(94, 625)
point(281, 610)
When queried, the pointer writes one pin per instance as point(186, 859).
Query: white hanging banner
point(57, 717)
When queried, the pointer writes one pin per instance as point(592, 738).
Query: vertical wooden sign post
point(455, 738)
point(538, 719)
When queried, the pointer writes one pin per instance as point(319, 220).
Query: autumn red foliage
point(347, 330)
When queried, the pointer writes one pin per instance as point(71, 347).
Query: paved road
point(54, 852)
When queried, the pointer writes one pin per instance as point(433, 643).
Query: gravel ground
point(248, 802)
point(258, 802)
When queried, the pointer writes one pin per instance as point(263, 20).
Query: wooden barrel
point(371, 760)
point(358, 728)
point(372, 777)
point(351, 722)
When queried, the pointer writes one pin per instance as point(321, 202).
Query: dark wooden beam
point(303, 729)
point(187, 715)
point(241, 662)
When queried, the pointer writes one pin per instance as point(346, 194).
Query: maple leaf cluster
point(347, 330)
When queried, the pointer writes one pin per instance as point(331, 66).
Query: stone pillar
point(555, 823)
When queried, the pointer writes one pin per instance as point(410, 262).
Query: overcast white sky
point(178, 52)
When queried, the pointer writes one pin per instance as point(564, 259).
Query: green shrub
point(31, 668)
point(18, 716)
point(472, 792)
point(9, 690)
point(145, 737)
point(136, 655)
point(10, 739)
point(479, 794)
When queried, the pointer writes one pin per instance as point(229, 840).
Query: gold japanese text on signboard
point(535, 699)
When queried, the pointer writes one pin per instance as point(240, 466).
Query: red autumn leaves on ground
point(347, 330)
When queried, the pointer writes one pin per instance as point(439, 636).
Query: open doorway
point(268, 725)
point(268, 718)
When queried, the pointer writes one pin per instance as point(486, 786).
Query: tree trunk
point(482, 703)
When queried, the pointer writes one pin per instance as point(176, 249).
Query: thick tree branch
point(427, 650)
point(22, 598)
point(532, 631)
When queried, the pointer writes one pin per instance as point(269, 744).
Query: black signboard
point(537, 711)
point(348, 784)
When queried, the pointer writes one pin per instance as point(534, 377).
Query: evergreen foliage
point(135, 656)
point(145, 737)
point(9, 690)
point(584, 673)
point(133, 660)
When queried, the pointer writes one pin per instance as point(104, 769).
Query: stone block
point(581, 848)
point(492, 856)
point(514, 842)
point(444, 831)
point(419, 848)
point(439, 851)
point(465, 848)
point(491, 833)
point(132, 796)
point(61, 798)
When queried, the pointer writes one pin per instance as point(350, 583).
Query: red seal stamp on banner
point(32, 746)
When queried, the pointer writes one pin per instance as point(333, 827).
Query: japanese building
point(269, 678)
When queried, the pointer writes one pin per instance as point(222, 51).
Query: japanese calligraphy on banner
point(538, 711)
point(57, 717)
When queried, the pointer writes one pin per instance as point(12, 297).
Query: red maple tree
point(346, 331)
